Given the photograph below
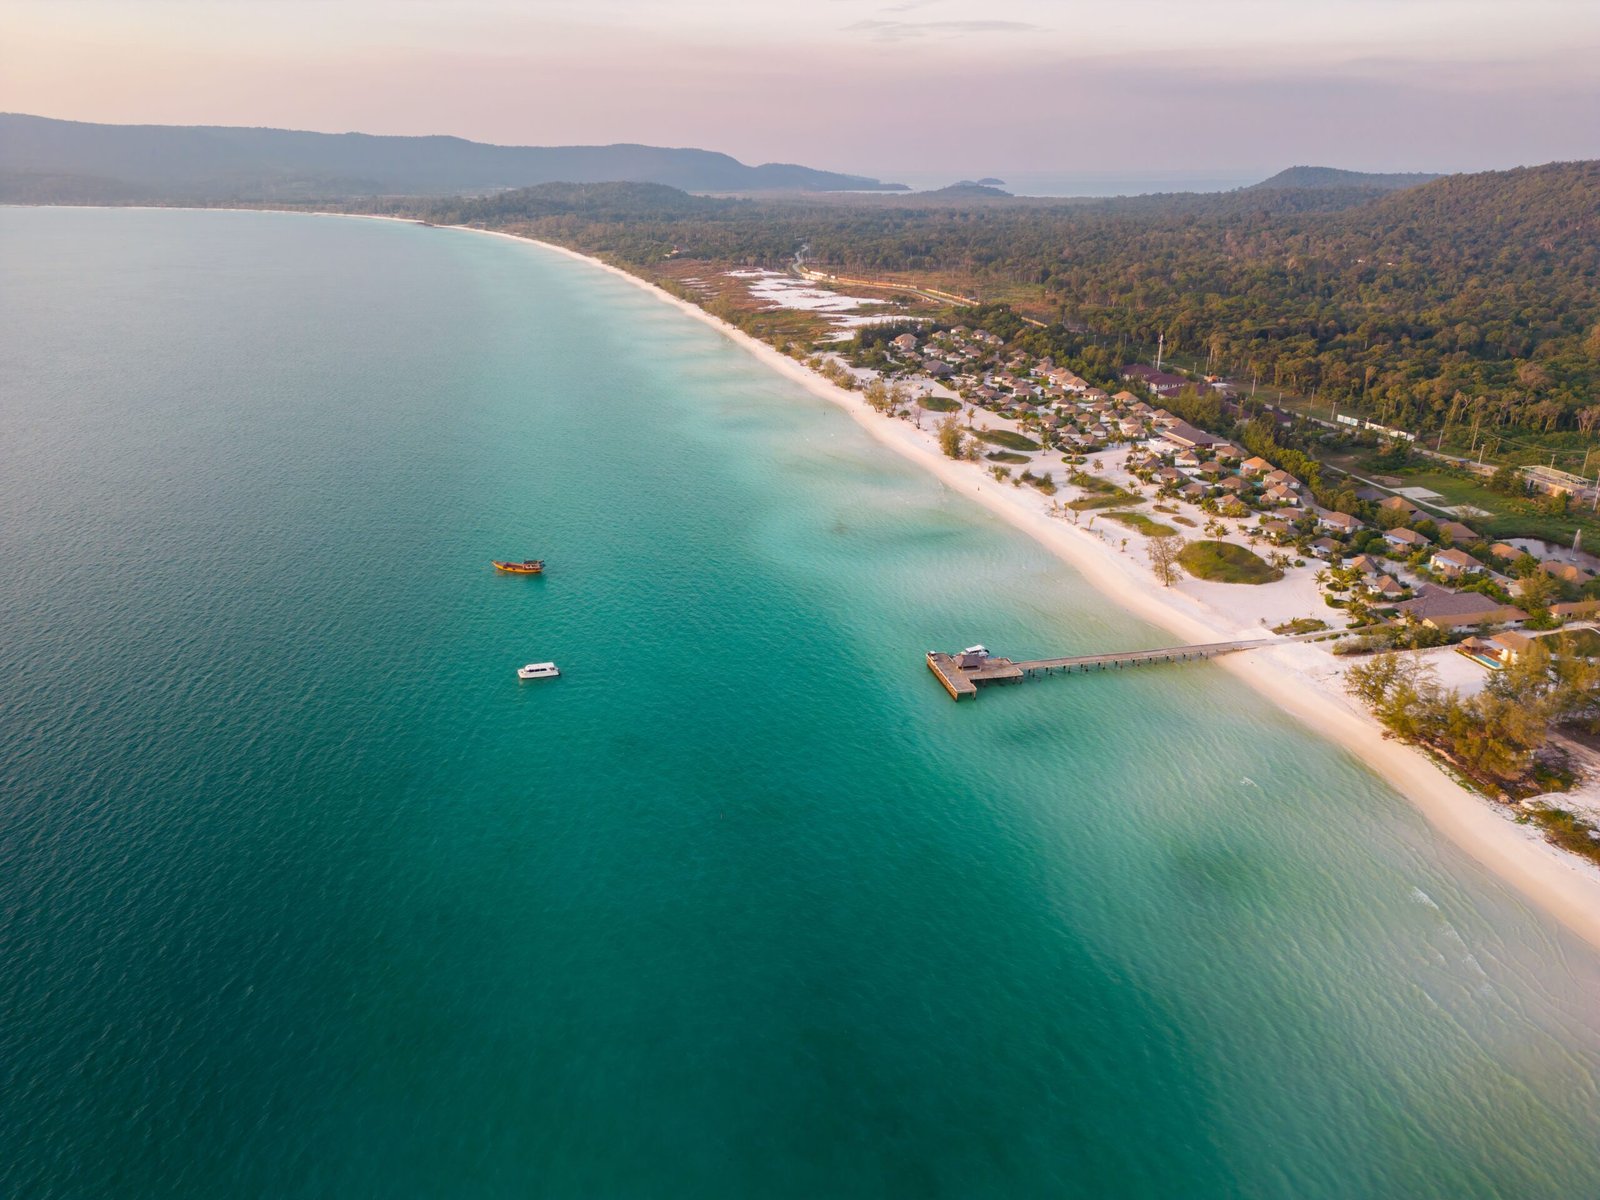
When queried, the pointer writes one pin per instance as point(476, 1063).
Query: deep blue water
point(303, 894)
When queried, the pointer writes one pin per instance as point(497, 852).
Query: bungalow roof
point(1457, 532)
point(1441, 606)
point(1405, 537)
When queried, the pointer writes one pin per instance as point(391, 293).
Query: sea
point(304, 894)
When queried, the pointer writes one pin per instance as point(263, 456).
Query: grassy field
point(1004, 437)
point(1514, 516)
point(1224, 562)
point(1102, 493)
point(1006, 456)
point(1142, 523)
point(1301, 625)
point(939, 403)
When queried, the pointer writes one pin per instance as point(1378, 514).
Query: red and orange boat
point(528, 566)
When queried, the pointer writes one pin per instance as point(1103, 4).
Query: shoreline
point(1561, 884)
point(1299, 679)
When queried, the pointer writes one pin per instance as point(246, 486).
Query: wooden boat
point(528, 566)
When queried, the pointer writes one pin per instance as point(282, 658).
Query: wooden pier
point(962, 674)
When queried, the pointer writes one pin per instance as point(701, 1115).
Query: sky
point(902, 89)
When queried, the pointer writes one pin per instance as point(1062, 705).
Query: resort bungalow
point(1275, 529)
point(1366, 564)
point(1405, 539)
point(906, 342)
point(1325, 548)
point(1236, 485)
point(1388, 587)
point(1506, 551)
point(1566, 572)
point(1441, 608)
point(1186, 436)
point(1576, 608)
point(1400, 504)
point(1255, 466)
point(1280, 495)
point(1453, 564)
point(1162, 383)
point(1497, 652)
point(1510, 643)
point(1338, 522)
point(1193, 492)
point(1455, 531)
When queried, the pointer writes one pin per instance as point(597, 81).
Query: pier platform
point(962, 674)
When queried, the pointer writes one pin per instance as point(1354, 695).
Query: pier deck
point(962, 681)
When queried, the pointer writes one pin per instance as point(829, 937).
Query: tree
point(1537, 591)
point(951, 438)
point(1164, 552)
point(1508, 480)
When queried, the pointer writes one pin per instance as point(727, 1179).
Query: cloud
point(899, 31)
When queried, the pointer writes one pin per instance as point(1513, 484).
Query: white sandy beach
point(1301, 679)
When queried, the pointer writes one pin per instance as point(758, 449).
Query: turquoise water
point(303, 894)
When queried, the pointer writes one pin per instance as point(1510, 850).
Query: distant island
point(967, 188)
point(46, 161)
point(1334, 177)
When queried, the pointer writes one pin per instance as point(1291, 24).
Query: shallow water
point(303, 894)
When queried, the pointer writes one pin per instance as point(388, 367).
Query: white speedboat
point(538, 671)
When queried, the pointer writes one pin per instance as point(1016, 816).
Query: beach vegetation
point(952, 441)
point(1141, 523)
point(1166, 558)
point(1495, 738)
point(1007, 456)
point(940, 404)
point(1566, 829)
point(1227, 562)
point(1007, 439)
point(1301, 625)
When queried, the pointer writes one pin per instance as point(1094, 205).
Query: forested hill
point(1551, 211)
point(1333, 177)
point(49, 161)
point(595, 201)
point(1471, 297)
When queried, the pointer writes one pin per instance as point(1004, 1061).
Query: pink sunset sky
point(908, 87)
